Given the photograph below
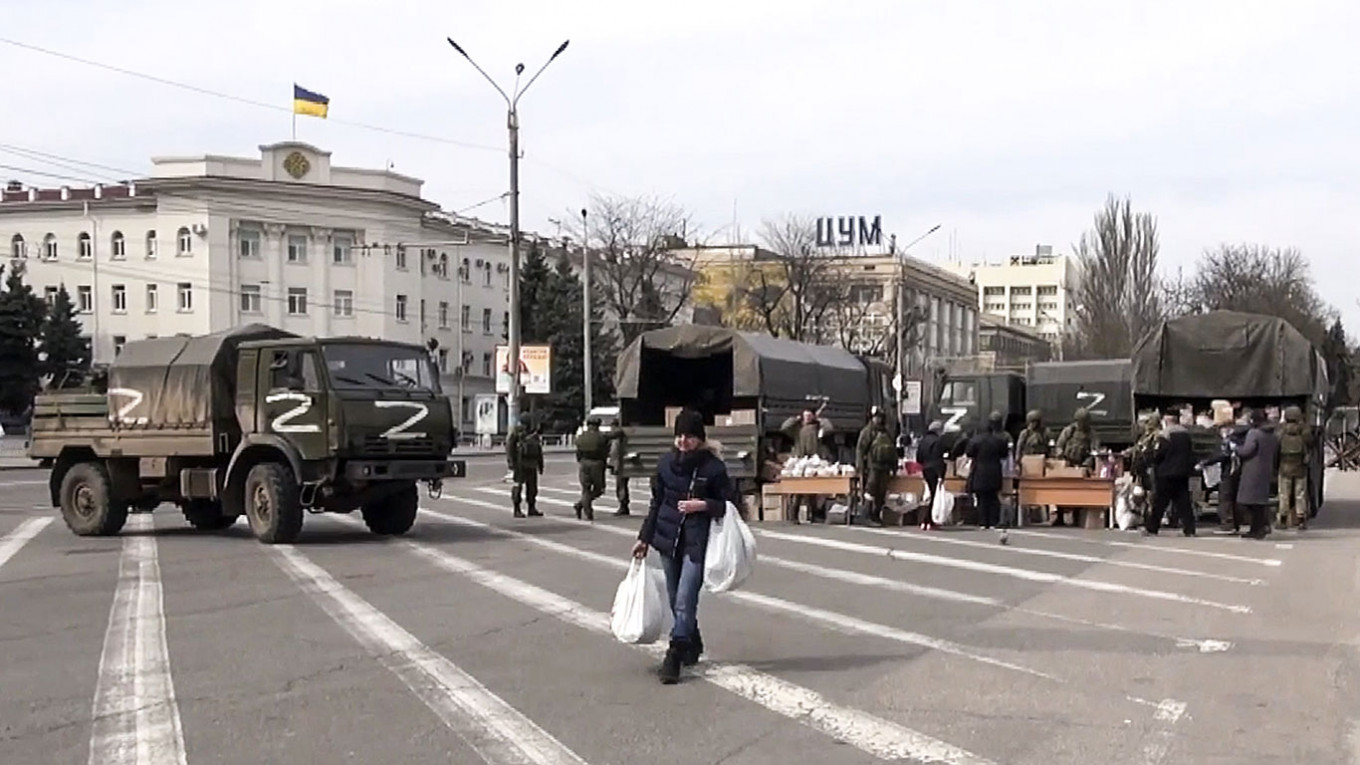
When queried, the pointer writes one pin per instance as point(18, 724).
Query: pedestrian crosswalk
point(479, 638)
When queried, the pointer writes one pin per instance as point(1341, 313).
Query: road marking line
point(495, 730)
point(971, 565)
point(838, 622)
point(136, 719)
point(22, 534)
point(1285, 546)
point(1169, 712)
point(1202, 645)
point(36, 482)
point(873, 735)
point(1271, 562)
point(1093, 559)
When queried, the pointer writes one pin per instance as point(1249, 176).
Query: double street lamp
point(901, 317)
point(512, 123)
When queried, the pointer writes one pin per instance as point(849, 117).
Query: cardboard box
point(1052, 463)
point(1032, 466)
point(740, 417)
point(1067, 472)
point(1092, 518)
point(672, 412)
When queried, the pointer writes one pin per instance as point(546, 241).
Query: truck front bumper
point(357, 471)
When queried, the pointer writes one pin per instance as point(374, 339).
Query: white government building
point(288, 239)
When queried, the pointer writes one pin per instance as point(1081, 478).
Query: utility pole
point(512, 125)
point(899, 328)
point(587, 359)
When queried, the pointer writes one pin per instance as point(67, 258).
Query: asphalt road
point(479, 638)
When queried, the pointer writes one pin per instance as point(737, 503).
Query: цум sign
point(850, 231)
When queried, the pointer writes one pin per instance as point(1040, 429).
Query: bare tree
point(793, 294)
point(1120, 296)
point(635, 239)
point(1258, 279)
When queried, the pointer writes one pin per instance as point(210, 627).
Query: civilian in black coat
point(1173, 463)
point(930, 452)
point(988, 451)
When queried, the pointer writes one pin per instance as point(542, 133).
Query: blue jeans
point(684, 577)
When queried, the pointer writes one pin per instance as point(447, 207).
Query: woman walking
point(691, 488)
point(988, 452)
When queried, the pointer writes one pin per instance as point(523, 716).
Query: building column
point(275, 249)
point(321, 322)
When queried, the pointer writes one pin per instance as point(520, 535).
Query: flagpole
point(295, 125)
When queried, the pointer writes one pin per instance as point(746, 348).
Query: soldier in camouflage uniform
point(617, 453)
point(1140, 454)
point(592, 453)
point(524, 455)
point(1035, 437)
point(1075, 444)
point(1296, 446)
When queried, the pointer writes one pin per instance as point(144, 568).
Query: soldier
point(1035, 437)
point(1075, 444)
point(1296, 445)
point(806, 432)
point(524, 454)
point(617, 453)
point(592, 452)
point(881, 461)
point(877, 424)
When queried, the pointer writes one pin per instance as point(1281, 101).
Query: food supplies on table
point(815, 467)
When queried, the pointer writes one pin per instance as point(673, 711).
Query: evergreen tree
point(67, 351)
point(21, 323)
point(1337, 355)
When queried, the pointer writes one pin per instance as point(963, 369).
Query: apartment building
point(1032, 291)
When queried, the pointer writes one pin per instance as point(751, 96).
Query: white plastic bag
point(641, 603)
point(942, 507)
point(731, 553)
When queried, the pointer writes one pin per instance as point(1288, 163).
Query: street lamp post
point(901, 298)
point(512, 124)
point(586, 344)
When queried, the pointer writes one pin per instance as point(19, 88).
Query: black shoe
point(534, 513)
point(621, 512)
point(577, 507)
point(670, 666)
point(519, 513)
point(695, 650)
point(590, 513)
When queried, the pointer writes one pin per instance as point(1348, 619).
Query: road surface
point(479, 638)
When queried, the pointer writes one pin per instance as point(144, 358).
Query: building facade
point(1012, 346)
point(287, 239)
point(1032, 291)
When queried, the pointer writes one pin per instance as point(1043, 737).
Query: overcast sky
point(1006, 122)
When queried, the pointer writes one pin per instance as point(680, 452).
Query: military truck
point(251, 421)
point(1256, 360)
point(745, 384)
point(1055, 388)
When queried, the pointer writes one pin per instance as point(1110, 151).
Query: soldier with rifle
point(524, 455)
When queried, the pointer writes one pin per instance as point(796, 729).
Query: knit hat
point(690, 423)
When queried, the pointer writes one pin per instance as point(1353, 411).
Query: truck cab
point(971, 398)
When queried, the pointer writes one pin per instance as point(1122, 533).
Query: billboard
point(535, 369)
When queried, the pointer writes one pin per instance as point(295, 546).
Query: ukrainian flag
point(309, 103)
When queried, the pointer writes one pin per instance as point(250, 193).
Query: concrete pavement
point(479, 638)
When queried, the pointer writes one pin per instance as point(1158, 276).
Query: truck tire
point(395, 514)
point(273, 503)
point(87, 502)
point(207, 515)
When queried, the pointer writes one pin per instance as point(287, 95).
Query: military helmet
point(1081, 415)
point(1293, 414)
point(593, 421)
point(1034, 417)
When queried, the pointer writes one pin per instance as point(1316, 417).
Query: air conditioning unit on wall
point(200, 229)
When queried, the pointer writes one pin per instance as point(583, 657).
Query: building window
point(342, 251)
point(486, 274)
point(185, 241)
point(17, 249)
point(252, 300)
point(505, 324)
point(465, 319)
point(1026, 291)
point(153, 299)
point(467, 362)
point(50, 295)
point(249, 246)
point(119, 341)
point(1048, 289)
point(119, 298)
point(344, 303)
point(151, 244)
point(443, 359)
point(465, 273)
point(443, 314)
point(119, 246)
point(993, 291)
point(401, 258)
point(50, 247)
point(84, 299)
point(443, 265)
point(423, 324)
point(1022, 307)
point(486, 365)
point(185, 294)
point(297, 248)
point(401, 308)
point(486, 321)
point(297, 301)
point(84, 247)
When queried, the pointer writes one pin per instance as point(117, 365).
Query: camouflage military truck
point(252, 421)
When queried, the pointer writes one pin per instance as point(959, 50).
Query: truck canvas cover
point(1104, 387)
point(180, 382)
point(761, 365)
point(1227, 354)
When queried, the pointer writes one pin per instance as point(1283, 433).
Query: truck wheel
point(87, 502)
point(273, 504)
point(395, 514)
point(207, 515)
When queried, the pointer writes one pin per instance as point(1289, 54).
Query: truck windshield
point(379, 367)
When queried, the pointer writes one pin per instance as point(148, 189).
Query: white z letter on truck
point(399, 431)
point(283, 423)
point(134, 400)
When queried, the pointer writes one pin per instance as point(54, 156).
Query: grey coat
point(1258, 454)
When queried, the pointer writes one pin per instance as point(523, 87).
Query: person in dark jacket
point(988, 452)
point(690, 489)
point(1173, 461)
point(1232, 436)
point(930, 452)
point(1258, 454)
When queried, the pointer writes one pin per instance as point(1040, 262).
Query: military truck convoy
point(252, 421)
point(745, 384)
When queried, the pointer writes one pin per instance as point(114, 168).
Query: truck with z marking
point(251, 421)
